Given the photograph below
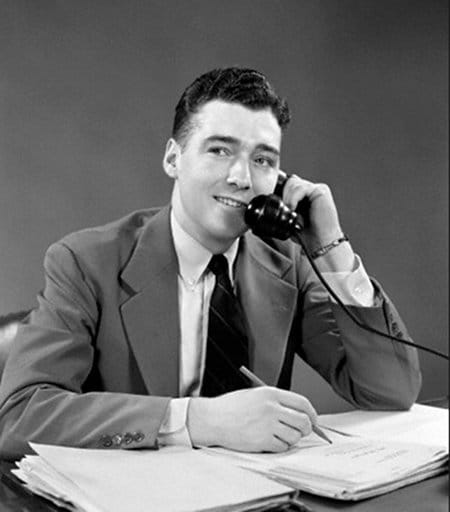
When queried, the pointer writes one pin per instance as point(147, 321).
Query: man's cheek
point(264, 187)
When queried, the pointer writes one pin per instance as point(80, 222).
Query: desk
point(430, 495)
point(427, 496)
point(14, 498)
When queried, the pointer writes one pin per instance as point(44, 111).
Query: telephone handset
point(268, 216)
point(281, 180)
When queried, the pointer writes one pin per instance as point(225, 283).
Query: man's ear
point(171, 158)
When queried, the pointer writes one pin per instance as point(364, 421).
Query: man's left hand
point(315, 203)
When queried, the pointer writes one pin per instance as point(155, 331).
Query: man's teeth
point(230, 202)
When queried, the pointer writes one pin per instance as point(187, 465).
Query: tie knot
point(218, 265)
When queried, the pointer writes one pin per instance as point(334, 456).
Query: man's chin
point(238, 230)
point(228, 235)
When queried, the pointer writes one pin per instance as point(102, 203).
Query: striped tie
point(227, 346)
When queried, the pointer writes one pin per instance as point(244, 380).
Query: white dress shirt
point(195, 287)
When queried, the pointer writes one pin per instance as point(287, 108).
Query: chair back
point(8, 330)
point(7, 334)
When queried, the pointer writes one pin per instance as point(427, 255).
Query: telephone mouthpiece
point(268, 216)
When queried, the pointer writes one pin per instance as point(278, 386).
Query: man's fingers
point(278, 444)
point(296, 420)
point(249, 419)
point(289, 434)
point(295, 190)
point(298, 403)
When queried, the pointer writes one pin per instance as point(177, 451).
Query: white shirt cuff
point(352, 287)
point(173, 429)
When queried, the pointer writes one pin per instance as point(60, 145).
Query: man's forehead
point(214, 109)
point(218, 117)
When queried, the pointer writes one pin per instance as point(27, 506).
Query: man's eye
point(219, 151)
point(265, 161)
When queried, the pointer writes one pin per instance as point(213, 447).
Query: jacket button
point(128, 438)
point(117, 439)
point(106, 441)
point(138, 437)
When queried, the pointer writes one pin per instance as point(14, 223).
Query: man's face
point(230, 156)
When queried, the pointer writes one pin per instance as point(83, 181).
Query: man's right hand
point(252, 420)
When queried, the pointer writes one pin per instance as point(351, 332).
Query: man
point(119, 353)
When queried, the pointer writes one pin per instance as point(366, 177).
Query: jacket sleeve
point(366, 369)
point(41, 392)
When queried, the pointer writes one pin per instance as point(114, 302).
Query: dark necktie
point(227, 345)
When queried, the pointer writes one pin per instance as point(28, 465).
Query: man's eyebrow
point(267, 147)
point(226, 139)
point(222, 138)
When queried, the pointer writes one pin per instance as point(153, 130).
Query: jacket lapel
point(265, 280)
point(150, 315)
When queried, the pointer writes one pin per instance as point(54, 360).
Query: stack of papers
point(422, 424)
point(171, 479)
point(372, 453)
point(366, 458)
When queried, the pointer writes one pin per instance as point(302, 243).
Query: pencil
point(258, 382)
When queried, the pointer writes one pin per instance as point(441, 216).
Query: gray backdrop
point(87, 90)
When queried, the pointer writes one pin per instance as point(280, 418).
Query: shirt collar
point(193, 258)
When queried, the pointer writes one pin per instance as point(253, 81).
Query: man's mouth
point(234, 203)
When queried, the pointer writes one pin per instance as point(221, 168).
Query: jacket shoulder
point(110, 244)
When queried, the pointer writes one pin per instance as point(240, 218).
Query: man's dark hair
point(235, 85)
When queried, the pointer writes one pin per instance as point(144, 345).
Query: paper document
point(171, 479)
point(422, 424)
point(372, 453)
point(355, 466)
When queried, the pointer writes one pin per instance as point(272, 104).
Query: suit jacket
point(97, 362)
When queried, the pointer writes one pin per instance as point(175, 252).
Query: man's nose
point(239, 174)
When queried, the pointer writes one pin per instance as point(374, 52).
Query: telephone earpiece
point(281, 180)
point(268, 216)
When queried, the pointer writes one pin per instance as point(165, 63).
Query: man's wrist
point(173, 429)
point(200, 422)
point(339, 258)
point(326, 248)
point(353, 288)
